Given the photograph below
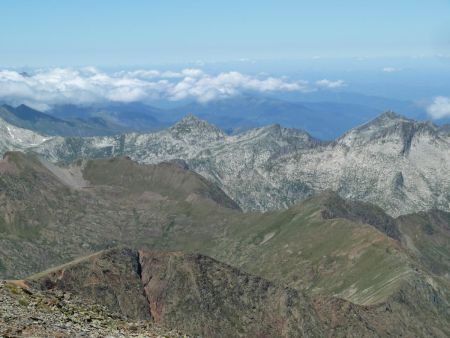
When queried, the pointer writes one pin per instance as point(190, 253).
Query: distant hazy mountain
point(403, 107)
point(28, 118)
point(326, 117)
point(128, 116)
point(324, 120)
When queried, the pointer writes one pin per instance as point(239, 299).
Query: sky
point(87, 51)
point(130, 33)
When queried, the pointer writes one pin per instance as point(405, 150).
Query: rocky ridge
point(396, 163)
point(189, 291)
point(204, 297)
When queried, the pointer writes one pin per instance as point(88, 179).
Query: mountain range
point(324, 115)
point(326, 266)
point(396, 163)
point(194, 229)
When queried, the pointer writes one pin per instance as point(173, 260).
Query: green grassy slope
point(427, 236)
point(300, 248)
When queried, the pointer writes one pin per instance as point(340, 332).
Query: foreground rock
point(193, 292)
point(204, 297)
point(26, 312)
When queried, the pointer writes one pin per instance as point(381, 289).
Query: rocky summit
point(396, 163)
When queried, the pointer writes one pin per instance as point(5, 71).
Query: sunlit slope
point(303, 249)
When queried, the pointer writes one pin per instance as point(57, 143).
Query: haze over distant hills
point(324, 114)
point(25, 117)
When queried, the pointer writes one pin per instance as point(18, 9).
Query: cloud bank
point(43, 89)
point(439, 108)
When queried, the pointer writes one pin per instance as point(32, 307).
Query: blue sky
point(128, 33)
point(398, 49)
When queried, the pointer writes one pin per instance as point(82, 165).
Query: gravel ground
point(31, 313)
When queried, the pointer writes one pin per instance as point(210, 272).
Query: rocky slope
point(325, 246)
point(29, 312)
point(398, 164)
point(204, 297)
point(192, 292)
point(15, 138)
point(52, 215)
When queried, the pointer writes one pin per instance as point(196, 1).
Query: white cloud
point(439, 108)
point(390, 70)
point(45, 88)
point(60, 86)
point(192, 72)
point(141, 73)
point(330, 84)
point(205, 87)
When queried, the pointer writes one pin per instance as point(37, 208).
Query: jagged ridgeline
point(205, 297)
point(396, 163)
point(361, 271)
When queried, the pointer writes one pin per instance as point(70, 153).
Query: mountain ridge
point(188, 291)
point(396, 163)
point(201, 295)
point(346, 254)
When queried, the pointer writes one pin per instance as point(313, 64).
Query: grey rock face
point(399, 164)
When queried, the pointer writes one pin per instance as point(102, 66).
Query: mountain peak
point(24, 106)
point(193, 127)
point(387, 118)
point(390, 115)
point(191, 118)
point(389, 126)
point(272, 128)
